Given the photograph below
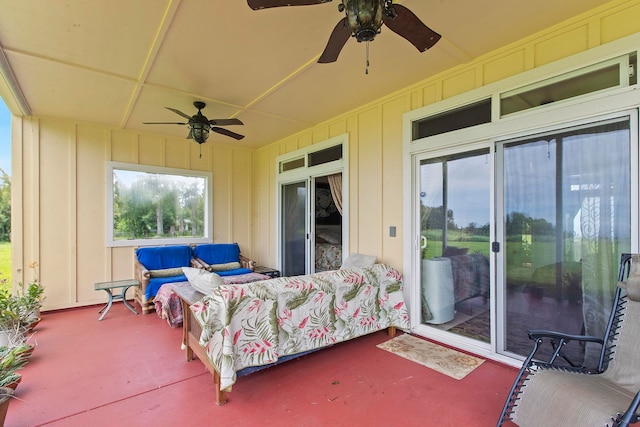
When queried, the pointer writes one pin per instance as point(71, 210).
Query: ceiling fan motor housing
point(364, 17)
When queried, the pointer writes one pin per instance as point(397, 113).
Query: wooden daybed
point(364, 300)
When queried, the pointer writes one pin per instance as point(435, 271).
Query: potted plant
point(30, 299)
point(11, 360)
point(6, 394)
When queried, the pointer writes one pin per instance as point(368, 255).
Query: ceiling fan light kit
point(200, 126)
point(363, 21)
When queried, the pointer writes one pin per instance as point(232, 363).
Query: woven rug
point(442, 359)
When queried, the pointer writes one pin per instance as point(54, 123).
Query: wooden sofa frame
point(143, 275)
point(191, 338)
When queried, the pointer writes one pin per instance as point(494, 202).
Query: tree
point(5, 207)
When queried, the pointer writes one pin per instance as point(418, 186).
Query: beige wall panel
point(177, 153)
point(30, 195)
point(392, 180)
point(354, 182)
point(505, 66)
point(321, 134)
point(204, 162)
point(151, 150)
point(337, 128)
point(459, 83)
point(622, 22)
point(221, 194)
point(304, 140)
point(291, 145)
point(430, 95)
point(94, 263)
point(122, 261)
point(368, 195)
point(263, 210)
point(561, 45)
point(124, 146)
point(241, 199)
point(57, 250)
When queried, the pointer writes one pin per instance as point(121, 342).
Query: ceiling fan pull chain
point(366, 70)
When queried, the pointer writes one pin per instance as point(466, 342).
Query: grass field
point(5, 261)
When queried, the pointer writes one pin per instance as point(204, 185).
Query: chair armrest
point(141, 274)
point(557, 341)
point(198, 263)
point(247, 263)
point(536, 334)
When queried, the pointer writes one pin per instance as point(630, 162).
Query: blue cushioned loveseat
point(156, 265)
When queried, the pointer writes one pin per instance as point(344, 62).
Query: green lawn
point(5, 261)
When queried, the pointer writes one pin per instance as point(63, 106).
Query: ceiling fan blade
point(163, 123)
point(409, 26)
point(178, 112)
point(337, 40)
point(227, 132)
point(264, 4)
point(225, 122)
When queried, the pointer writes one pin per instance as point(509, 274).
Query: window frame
point(133, 167)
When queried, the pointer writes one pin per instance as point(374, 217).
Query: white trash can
point(437, 289)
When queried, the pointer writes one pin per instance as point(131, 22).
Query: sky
point(5, 138)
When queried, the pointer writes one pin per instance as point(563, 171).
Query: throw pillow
point(358, 261)
point(202, 280)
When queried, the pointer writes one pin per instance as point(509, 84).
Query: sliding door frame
point(586, 109)
point(308, 174)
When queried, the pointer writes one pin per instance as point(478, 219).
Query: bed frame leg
point(391, 331)
point(221, 396)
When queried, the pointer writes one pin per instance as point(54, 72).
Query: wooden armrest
point(247, 263)
point(198, 263)
point(141, 274)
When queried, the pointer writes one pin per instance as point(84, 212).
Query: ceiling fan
point(199, 125)
point(363, 21)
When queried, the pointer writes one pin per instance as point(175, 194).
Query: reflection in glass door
point(294, 228)
point(455, 236)
point(566, 220)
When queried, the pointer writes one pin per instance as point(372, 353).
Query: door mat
point(442, 359)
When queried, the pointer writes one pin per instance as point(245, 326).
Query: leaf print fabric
point(254, 324)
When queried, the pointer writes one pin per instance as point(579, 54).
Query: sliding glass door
point(565, 220)
point(455, 243)
point(530, 239)
point(293, 226)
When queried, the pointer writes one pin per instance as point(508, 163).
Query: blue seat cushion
point(217, 253)
point(163, 257)
point(233, 272)
point(156, 282)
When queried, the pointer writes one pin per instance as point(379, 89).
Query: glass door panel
point(566, 220)
point(327, 223)
point(294, 228)
point(455, 237)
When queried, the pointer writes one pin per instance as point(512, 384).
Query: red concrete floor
point(129, 370)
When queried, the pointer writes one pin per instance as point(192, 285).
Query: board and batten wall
point(375, 130)
point(61, 222)
point(58, 168)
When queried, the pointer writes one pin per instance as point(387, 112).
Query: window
point(448, 121)
point(149, 205)
point(605, 75)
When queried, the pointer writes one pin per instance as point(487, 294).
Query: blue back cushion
point(161, 257)
point(218, 253)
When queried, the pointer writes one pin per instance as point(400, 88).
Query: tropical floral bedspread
point(256, 323)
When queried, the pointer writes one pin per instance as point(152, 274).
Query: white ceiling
point(119, 62)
